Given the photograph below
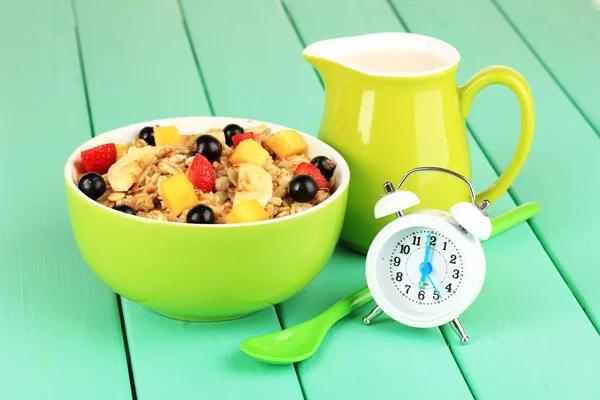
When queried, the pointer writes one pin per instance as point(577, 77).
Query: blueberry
point(200, 214)
point(325, 165)
point(209, 146)
point(303, 188)
point(124, 208)
point(92, 185)
point(230, 131)
point(147, 134)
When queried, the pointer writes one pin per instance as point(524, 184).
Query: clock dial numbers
point(443, 271)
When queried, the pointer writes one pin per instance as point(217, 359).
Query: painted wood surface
point(530, 337)
point(563, 165)
point(504, 339)
point(60, 330)
point(565, 36)
point(155, 71)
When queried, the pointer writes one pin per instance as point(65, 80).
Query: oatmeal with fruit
point(222, 176)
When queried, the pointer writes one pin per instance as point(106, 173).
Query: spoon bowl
point(301, 341)
point(290, 345)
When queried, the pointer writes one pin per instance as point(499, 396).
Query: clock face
point(423, 273)
point(425, 267)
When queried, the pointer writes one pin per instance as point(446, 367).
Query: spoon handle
point(347, 305)
point(513, 217)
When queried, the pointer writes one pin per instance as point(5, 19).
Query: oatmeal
point(223, 176)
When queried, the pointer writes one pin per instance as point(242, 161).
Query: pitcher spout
point(326, 55)
point(322, 63)
point(390, 54)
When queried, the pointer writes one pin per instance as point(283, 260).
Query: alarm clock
point(426, 267)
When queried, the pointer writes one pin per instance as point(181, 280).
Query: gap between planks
point(211, 108)
point(91, 124)
point(295, 364)
point(195, 55)
point(301, 40)
point(535, 229)
point(545, 66)
point(90, 121)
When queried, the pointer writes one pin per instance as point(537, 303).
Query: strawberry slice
point(100, 158)
point(79, 167)
point(237, 139)
point(201, 174)
point(312, 170)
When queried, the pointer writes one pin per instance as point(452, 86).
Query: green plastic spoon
point(302, 341)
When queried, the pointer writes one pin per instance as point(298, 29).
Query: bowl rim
point(341, 166)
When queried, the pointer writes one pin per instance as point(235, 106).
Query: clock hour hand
point(423, 276)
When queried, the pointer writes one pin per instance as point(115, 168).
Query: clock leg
point(458, 328)
point(375, 312)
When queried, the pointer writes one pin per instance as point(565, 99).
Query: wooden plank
point(273, 82)
point(565, 36)
point(142, 67)
point(145, 58)
point(525, 309)
point(563, 164)
point(182, 360)
point(60, 329)
point(256, 70)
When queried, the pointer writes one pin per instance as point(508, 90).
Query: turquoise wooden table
point(72, 69)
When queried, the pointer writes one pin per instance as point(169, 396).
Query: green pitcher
point(392, 104)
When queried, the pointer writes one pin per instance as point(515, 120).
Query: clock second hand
point(436, 289)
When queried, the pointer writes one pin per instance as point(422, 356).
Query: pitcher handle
point(511, 78)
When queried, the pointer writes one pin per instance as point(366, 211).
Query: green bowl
point(205, 272)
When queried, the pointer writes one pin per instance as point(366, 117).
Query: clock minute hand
point(427, 249)
point(424, 267)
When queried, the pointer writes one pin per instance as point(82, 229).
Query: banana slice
point(254, 183)
point(188, 139)
point(218, 133)
point(122, 174)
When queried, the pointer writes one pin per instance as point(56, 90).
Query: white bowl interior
point(196, 125)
